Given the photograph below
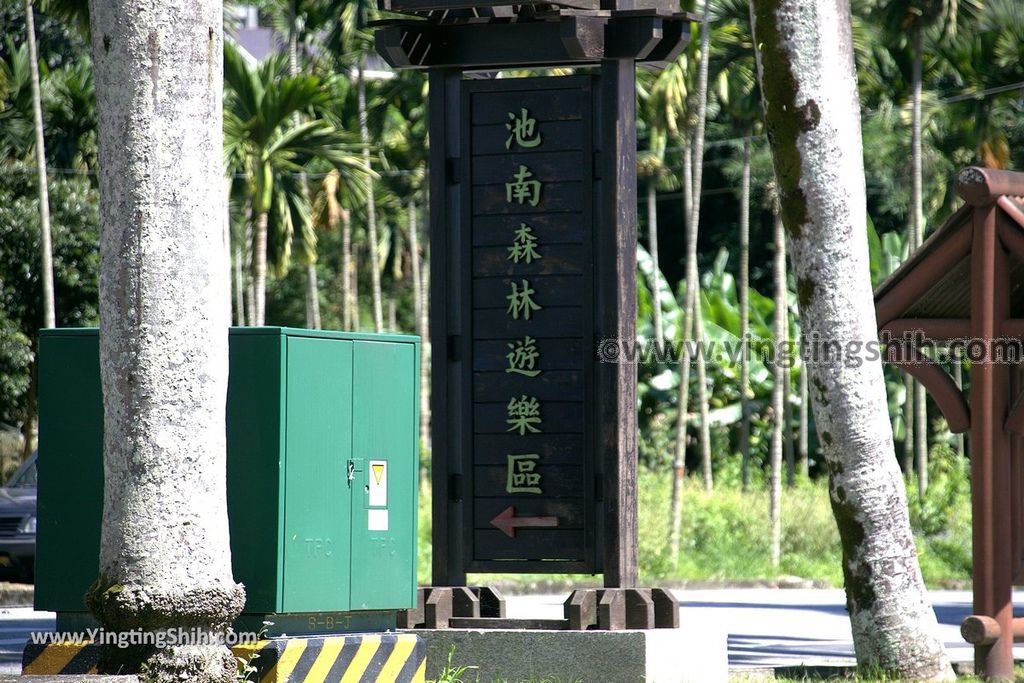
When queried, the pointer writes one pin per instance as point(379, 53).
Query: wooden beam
point(990, 467)
point(982, 186)
point(565, 40)
point(938, 383)
point(445, 319)
point(932, 329)
point(616, 319)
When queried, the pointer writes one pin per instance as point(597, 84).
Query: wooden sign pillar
point(616, 295)
point(533, 289)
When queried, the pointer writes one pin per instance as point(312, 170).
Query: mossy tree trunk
point(809, 87)
point(164, 313)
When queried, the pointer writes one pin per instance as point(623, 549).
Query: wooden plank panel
point(557, 385)
point(554, 449)
point(556, 480)
point(569, 511)
point(555, 354)
point(491, 292)
point(544, 106)
point(556, 136)
point(555, 259)
point(545, 166)
point(550, 321)
point(529, 544)
point(499, 231)
point(554, 198)
point(561, 417)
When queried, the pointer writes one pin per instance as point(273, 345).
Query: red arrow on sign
point(507, 521)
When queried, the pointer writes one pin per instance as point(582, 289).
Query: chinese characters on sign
point(524, 413)
point(529, 174)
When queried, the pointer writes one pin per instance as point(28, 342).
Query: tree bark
point(259, 270)
point(312, 298)
point(744, 302)
point(165, 558)
point(779, 377)
point(371, 203)
point(346, 270)
point(809, 90)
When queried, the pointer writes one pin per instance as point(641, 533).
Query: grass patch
point(726, 535)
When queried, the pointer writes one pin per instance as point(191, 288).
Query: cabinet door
point(385, 442)
point(318, 491)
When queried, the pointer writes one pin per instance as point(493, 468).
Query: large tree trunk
point(779, 388)
point(45, 247)
point(744, 301)
point(259, 270)
point(809, 87)
point(652, 248)
point(371, 204)
point(165, 558)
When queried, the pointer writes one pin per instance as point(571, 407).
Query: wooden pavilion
point(964, 289)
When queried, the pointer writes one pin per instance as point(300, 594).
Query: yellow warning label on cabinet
point(378, 483)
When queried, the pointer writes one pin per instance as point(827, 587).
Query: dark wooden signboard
point(525, 484)
point(530, 219)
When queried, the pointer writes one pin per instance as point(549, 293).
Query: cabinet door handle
point(351, 472)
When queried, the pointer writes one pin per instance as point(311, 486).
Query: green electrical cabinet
point(322, 438)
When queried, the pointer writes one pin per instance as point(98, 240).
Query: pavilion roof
point(935, 281)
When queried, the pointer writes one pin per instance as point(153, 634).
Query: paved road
point(785, 628)
point(765, 627)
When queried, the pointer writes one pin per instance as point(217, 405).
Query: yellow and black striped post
point(358, 658)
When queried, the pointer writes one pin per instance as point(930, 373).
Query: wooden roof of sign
point(478, 36)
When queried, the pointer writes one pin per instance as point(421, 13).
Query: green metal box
point(322, 470)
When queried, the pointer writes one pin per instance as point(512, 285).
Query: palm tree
point(262, 140)
point(350, 41)
point(903, 19)
point(779, 388)
point(741, 101)
point(45, 244)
